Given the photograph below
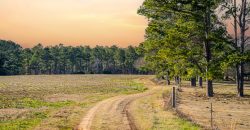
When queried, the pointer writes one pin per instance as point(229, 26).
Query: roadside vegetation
point(150, 113)
point(57, 102)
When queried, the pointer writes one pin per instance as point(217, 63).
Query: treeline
point(60, 59)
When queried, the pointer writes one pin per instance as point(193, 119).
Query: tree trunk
point(241, 81)
point(193, 82)
point(208, 51)
point(243, 29)
point(200, 82)
point(210, 92)
point(237, 78)
point(167, 79)
point(177, 80)
point(87, 67)
point(27, 70)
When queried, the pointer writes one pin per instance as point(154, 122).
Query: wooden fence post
point(211, 112)
point(173, 97)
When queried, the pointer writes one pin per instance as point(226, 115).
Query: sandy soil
point(113, 114)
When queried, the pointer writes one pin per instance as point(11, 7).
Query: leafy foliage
point(176, 37)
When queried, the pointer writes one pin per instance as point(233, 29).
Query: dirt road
point(113, 113)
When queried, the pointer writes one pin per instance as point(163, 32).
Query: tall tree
point(240, 12)
point(10, 58)
point(88, 59)
point(200, 12)
point(36, 59)
point(130, 58)
point(27, 55)
point(47, 60)
point(119, 58)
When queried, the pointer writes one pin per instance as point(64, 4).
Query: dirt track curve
point(113, 113)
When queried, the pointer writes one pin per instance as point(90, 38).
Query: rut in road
point(113, 113)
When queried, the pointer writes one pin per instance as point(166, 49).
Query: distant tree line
point(60, 59)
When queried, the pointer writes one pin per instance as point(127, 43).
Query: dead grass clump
point(64, 97)
point(12, 113)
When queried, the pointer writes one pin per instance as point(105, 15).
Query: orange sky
point(72, 22)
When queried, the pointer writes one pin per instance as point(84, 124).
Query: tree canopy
point(187, 38)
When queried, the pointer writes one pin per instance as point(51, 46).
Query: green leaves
point(176, 36)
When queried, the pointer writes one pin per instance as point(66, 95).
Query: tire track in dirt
point(113, 113)
point(87, 120)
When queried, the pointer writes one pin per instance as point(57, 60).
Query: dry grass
point(149, 114)
point(230, 111)
point(57, 102)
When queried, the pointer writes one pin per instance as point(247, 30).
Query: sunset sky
point(72, 22)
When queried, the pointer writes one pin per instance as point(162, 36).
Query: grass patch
point(28, 122)
point(33, 103)
point(149, 113)
point(138, 86)
point(19, 124)
point(184, 124)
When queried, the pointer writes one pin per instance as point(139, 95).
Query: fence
point(171, 103)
